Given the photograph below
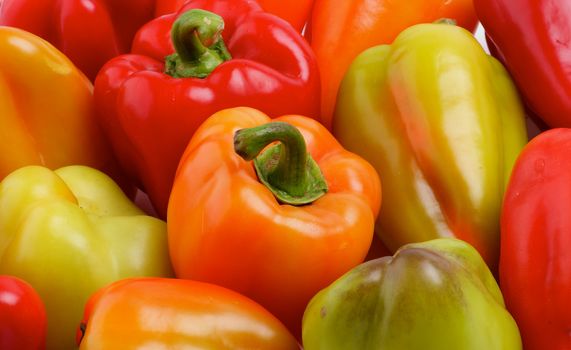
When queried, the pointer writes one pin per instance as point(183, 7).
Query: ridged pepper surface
point(435, 295)
point(70, 232)
point(276, 229)
point(151, 115)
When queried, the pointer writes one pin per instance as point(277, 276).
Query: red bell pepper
point(22, 315)
point(150, 116)
point(535, 259)
point(89, 32)
point(296, 12)
point(532, 38)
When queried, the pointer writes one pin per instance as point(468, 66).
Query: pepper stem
point(286, 168)
point(196, 37)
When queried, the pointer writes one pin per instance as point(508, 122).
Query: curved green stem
point(285, 168)
point(196, 37)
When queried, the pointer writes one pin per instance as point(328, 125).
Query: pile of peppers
point(269, 174)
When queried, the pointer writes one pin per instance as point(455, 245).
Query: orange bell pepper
point(296, 12)
point(339, 30)
point(227, 227)
point(46, 108)
point(162, 313)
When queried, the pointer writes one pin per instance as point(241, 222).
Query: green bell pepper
point(436, 295)
point(70, 232)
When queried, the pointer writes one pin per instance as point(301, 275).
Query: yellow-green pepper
point(442, 123)
point(70, 232)
point(434, 295)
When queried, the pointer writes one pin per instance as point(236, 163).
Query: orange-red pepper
point(162, 313)
point(226, 227)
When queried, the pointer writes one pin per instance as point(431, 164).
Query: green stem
point(285, 168)
point(196, 37)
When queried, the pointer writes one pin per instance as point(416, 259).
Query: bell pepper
point(280, 239)
point(22, 316)
point(432, 295)
point(442, 123)
point(531, 38)
point(89, 32)
point(340, 30)
point(150, 116)
point(162, 313)
point(46, 108)
point(535, 262)
point(70, 232)
point(296, 12)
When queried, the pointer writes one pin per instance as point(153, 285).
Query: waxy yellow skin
point(46, 108)
point(442, 123)
point(434, 295)
point(70, 232)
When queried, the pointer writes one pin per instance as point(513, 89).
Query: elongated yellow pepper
point(442, 123)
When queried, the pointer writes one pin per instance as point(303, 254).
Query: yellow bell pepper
point(442, 123)
point(69, 233)
point(46, 108)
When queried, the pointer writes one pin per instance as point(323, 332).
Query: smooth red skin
point(296, 12)
point(150, 116)
point(89, 32)
point(535, 259)
point(533, 40)
point(22, 316)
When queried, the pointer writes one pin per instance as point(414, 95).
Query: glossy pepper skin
point(339, 30)
point(442, 123)
point(535, 259)
point(225, 227)
point(435, 295)
point(296, 12)
point(46, 108)
point(70, 232)
point(178, 314)
point(531, 37)
point(22, 316)
point(150, 116)
point(89, 32)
